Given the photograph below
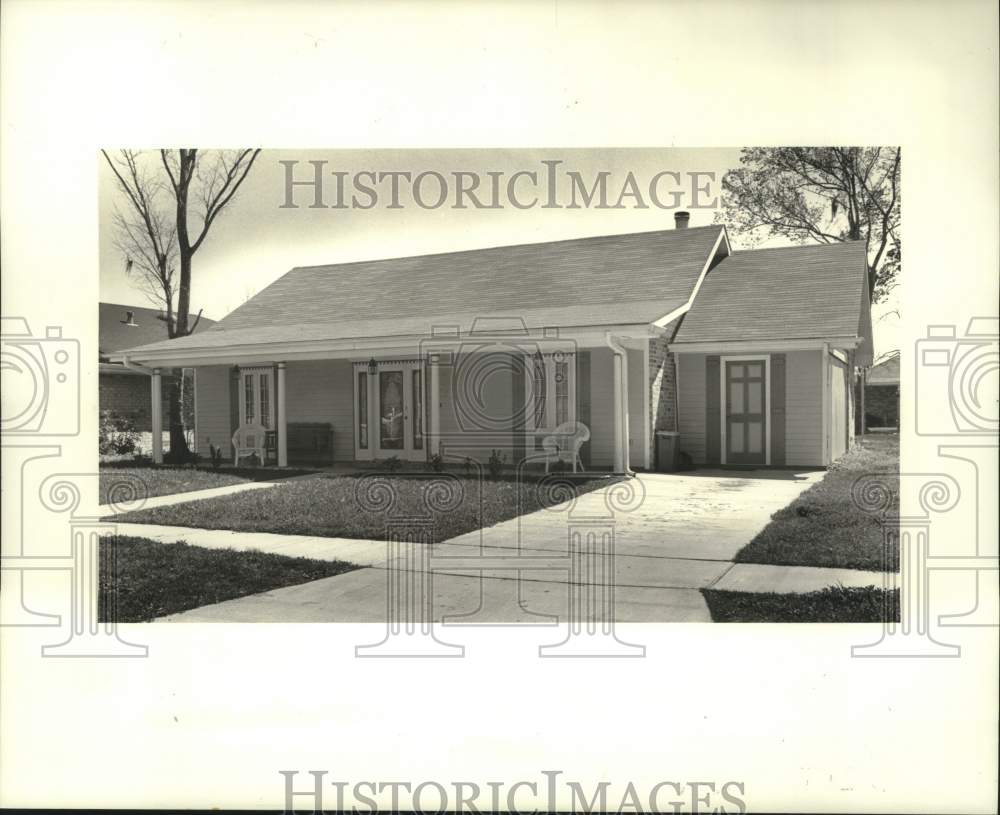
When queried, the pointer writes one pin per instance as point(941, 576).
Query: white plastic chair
point(249, 438)
point(567, 438)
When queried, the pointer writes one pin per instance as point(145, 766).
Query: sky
point(256, 239)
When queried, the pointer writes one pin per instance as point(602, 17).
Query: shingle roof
point(885, 373)
point(795, 292)
point(604, 280)
point(114, 335)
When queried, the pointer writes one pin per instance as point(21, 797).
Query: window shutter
point(583, 399)
point(778, 409)
point(518, 407)
point(234, 402)
point(713, 412)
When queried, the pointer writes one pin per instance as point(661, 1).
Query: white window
point(550, 391)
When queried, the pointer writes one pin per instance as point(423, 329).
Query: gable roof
point(114, 335)
point(885, 373)
point(604, 280)
point(793, 292)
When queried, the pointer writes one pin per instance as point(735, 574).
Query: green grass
point(340, 507)
point(117, 480)
point(824, 526)
point(831, 605)
point(155, 579)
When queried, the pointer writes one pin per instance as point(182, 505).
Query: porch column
point(435, 406)
point(619, 395)
point(282, 419)
point(623, 392)
point(156, 414)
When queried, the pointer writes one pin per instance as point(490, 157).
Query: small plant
point(437, 463)
point(215, 455)
point(496, 463)
point(467, 465)
point(392, 464)
point(117, 434)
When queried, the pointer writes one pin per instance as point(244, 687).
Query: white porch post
point(626, 453)
point(156, 413)
point(619, 391)
point(282, 419)
point(435, 406)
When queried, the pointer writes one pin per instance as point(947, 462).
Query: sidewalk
point(352, 550)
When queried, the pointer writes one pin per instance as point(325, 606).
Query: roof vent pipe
point(681, 219)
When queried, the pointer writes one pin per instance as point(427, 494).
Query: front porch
point(468, 398)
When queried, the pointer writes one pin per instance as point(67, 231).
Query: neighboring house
point(882, 394)
point(126, 391)
point(749, 355)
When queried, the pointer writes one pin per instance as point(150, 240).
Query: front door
point(257, 397)
point(745, 410)
point(398, 407)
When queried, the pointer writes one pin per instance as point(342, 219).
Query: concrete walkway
point(353, 550)
point(679, 538)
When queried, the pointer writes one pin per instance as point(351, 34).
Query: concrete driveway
point(677, 535)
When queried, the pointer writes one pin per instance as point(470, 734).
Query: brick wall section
point(129, 395)
point(662, 387)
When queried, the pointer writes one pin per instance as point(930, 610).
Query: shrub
point(392, 464)
point(117, 434)
point(437, 463)
point(496, 463)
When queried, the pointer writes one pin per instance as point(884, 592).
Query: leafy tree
point(821, 194)
point(169, 200)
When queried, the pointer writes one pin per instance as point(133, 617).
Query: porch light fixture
point(372, 366)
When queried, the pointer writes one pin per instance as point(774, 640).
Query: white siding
point(212, 409)
point(838, 408)
point(474, 430)
point(691, 405)
point(323, 391)
point(804, 408)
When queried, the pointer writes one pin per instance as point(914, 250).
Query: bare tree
point(824, 195)
point(169, 201)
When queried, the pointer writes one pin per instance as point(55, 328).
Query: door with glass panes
point(257, 397)
point(390, 411)
point(746, 404)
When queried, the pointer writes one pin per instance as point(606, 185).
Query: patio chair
point(567, 438)
point(249, 439)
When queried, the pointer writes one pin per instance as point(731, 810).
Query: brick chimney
point(681, 220)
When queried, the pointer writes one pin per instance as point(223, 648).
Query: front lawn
point(831, 605)
point(824, 527)
point(118, 479)
point(155, 579)
point(345, 506)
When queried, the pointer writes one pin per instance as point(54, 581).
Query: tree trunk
point(179, 451)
